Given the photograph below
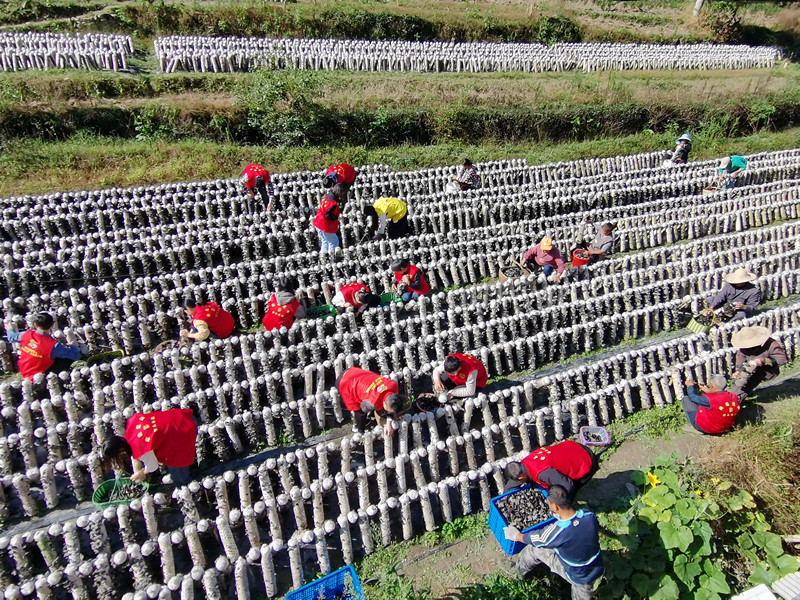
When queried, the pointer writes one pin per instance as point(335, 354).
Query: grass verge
point(90, 162)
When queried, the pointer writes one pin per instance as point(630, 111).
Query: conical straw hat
point(740, 275)
point(750, 337)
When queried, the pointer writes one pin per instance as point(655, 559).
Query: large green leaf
point(716, 578)
point(761, 575)
point(686, 570)
point(669, 535)
point(650, 515)
point(769, 542)
point(686, 510)
point(639, 477)
point(667, 589)
point(675, 537)
point(641, 583)
point(705, 594)
point(783, 565)
point(702, 531)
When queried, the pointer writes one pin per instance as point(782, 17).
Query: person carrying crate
point(569, 546)
point(461, 374)
point(567, 464)
point(364, 392)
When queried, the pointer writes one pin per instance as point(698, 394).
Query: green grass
point(88, 162)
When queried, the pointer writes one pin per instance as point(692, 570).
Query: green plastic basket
point(322, 312)
point(101, 495)
point(389, 298)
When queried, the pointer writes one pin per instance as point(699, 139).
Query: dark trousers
point(744, 385)
point(60, 364)
point(448, 383)
point(690, 408)
point(399, 229)
point(359, 416)
point(180, 475)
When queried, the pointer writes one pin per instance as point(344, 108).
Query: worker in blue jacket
point(569, 546)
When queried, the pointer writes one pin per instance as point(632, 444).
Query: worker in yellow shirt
point(388, 216)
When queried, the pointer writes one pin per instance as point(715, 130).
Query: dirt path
point(446, 569)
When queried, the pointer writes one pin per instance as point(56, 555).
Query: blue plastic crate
point(497, 521)
point(331, 585)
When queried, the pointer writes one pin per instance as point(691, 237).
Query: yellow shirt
point(392, 207)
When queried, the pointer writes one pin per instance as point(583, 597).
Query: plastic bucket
point(577, 260)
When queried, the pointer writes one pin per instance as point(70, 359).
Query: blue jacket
point(576, 543)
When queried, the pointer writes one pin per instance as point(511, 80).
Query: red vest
point(344, 173)
point(252, 171)
point(320, 222)
point(568, 457)
point(280, 315)
point(357, 385)
point(722, 414)
point(34, 355)
point(170, 434)
point(349, 291)
point(468, 365)
point(219, 321)
point(424, 288)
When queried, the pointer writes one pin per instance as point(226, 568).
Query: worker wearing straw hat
point(758, 359)
point(739, 292)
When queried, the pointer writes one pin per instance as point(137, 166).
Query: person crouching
point(462, 375)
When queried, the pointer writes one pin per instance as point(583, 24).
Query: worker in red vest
point(208, 320)
point(341, 174)
point(327, 219)
point(357, 295)
point(39, 351)
point(715, 410)
point(255, 177)
point(409, 281)
point(159, 437)
point(284, 307)
point(364, 392)
point(462, 374)
point(568, 464)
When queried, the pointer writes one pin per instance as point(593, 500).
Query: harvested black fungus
point(524, 509)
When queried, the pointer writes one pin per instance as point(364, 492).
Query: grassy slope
point(84, 162)
point(369, 91)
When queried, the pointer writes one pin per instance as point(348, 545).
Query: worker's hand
point(438, 386)
point(708, 312)
point(388, 429)
point(558, 278)
point(139, 475)
point(394, 287)
point(454, 177)
point(406, 279)
point(759, 362)
point(185, 333)
point(735, 375)
point(690, 382)
point(269, 206)
point(511, 533)
point(739, 306)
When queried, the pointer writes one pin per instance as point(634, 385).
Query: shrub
point(551, 30)
point(686, 536)
point(723, 21)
